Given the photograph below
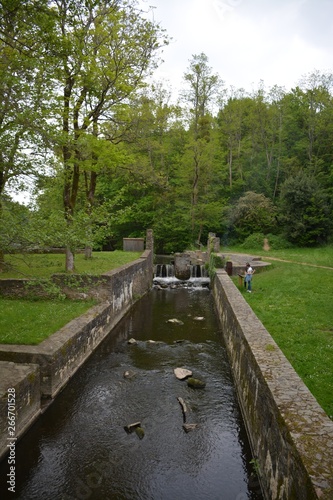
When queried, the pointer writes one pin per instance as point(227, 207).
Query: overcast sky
point(277, 41)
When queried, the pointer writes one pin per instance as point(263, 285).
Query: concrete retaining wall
point(290, 434)
point(57, 358)
point(19, 403)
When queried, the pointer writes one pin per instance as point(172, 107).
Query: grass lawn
point(29, 322)
point(294, 302)
point(44, 265)
point(24, 321)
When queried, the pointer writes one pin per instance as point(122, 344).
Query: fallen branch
point(183, 406)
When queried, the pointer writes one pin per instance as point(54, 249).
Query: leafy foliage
point(110, 156)
point(304, 211)
point(253, 213)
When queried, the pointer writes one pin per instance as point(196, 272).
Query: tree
point(232, 123)
point(304, 208)
point(203, 87)
point(24, 28)
point(253, 213)
point(104, 50)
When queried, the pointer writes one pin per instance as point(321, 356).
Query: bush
point(278, 242)
point(256, 242)
point(252, 213)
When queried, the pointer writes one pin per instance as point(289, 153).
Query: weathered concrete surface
point(182, 266)
point(290, 434)
point(19, 401)
point(133, 244)
point(239, 261)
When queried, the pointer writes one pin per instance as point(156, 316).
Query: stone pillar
point(213, 243)
point(149, 240)
point(216, 245)
point(182, 266)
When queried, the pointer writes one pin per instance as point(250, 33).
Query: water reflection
point(79, 448)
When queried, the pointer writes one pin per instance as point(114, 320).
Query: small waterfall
point(164, 271)
point(199, 271)
point(164, 275)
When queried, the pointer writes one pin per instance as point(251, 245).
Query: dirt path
point(300, 263)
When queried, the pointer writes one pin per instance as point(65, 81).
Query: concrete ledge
point(19, 402)
point(291, 436)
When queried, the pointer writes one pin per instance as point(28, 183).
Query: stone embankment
point(290, 434)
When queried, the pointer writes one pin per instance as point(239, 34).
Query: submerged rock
point(189, 427)
point(139, 431)
point(199, 318)
point(131, 427)
point(196, 383)
point(129, 374)
point(182, 373)
point(175, 321)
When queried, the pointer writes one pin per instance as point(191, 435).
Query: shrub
point(255, 241)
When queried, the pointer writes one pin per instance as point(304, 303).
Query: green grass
point(321, 256)
point(24, 321)
point(294, 302)
point(29, 322)
point(44, 265)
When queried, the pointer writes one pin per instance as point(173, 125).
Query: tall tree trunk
point(69, 260)
point(2, 254)
point(68, 173)
point(91, 189)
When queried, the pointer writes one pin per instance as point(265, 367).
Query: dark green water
point(79, 448)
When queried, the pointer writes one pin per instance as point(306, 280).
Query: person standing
point(248, 277)
point(247, 265)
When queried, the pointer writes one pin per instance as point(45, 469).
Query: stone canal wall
point(291, 436)
point(38, 373)
point(19, 403)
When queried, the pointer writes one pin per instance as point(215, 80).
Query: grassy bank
point(44, 265)
point(294, 302)
point(30, 322)
point(24, 321)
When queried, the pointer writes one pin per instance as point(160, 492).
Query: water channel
point(79, 448)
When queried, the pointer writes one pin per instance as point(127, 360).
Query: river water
point(79, 448)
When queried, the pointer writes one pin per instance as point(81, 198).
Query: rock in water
point(189, 427)
point(131, 341)
point(182, 373)
point(131, 427)
point(175, 320)
point(196, 383)
point(129, 374)
point(139, 431)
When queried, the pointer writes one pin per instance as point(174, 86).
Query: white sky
point(277, 41)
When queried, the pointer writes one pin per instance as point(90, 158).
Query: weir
point(289, 434)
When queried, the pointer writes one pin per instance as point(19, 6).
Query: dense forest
point(106, 152)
